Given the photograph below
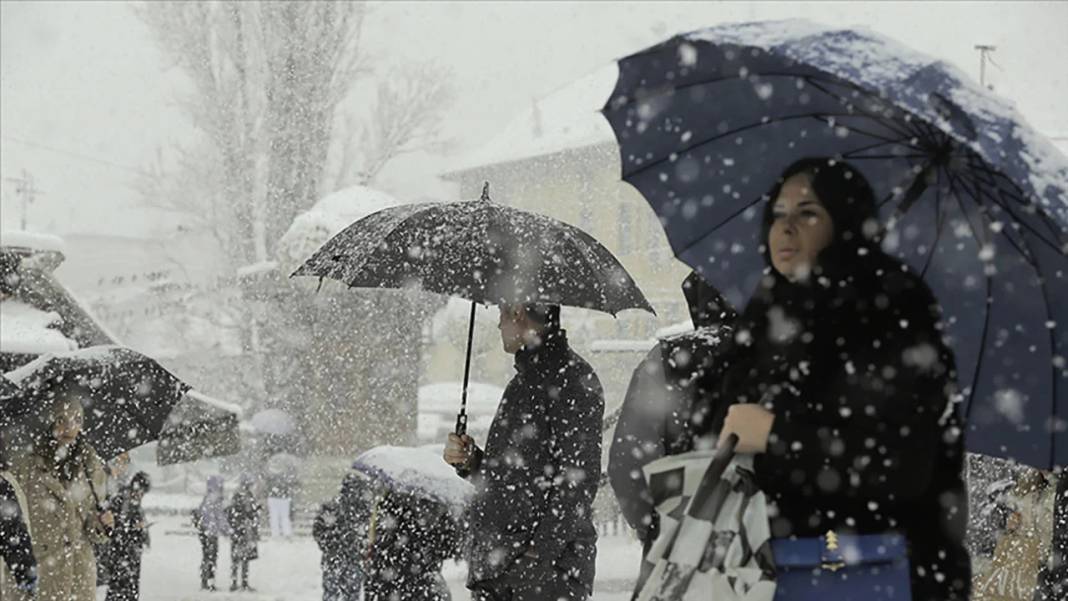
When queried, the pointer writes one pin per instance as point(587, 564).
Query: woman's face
point(69, 418)
point(801, 227)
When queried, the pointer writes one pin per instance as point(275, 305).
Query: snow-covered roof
point(32, 240)
point(336, 211)
point(214, 402)
point(444, 397)
point(256, 268)
point(567, 118)
point(28, 330)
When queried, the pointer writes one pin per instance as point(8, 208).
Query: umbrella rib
point(983, 193)
point(815, 82)
point(1024, 252)
point(989, 301)
point(704, 141)
point(940, 220)
point(1014, 193)
point(716, 227)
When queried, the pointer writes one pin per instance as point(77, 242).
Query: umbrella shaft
point(461, 418)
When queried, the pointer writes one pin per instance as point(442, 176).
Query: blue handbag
point(873, 567)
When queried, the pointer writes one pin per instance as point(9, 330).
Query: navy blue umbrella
point(972, 197)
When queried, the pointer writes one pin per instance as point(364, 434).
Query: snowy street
point(289, 570)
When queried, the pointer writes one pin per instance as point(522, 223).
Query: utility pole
point(26, 191)
point(984, 55)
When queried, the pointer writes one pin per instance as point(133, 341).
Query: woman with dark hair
point(839, 383)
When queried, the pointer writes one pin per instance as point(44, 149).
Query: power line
point(73, 154)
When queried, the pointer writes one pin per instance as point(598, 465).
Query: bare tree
point(406, 117)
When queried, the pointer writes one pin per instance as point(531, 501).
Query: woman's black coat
point(866, 437)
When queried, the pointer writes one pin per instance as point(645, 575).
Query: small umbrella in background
point(481, 251)
point(274, 422)
point(973, 199)
point(130, 395)
point(418, 472)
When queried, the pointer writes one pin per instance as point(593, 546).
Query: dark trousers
point(238, 565)
point(209, 557)
point(125, 582)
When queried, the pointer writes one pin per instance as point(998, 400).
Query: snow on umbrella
point(481, 251)
point(415, 471)
point(273, 421)
point(974, 200)
point(129, 394)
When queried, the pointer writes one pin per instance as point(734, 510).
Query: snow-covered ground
point(289, 570)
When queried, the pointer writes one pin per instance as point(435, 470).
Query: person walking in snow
point(841, 386)
point(280, 488)
point(129, 540)
point(531, 518)
point(657, 415)
point(243, 515)
point(210, 522)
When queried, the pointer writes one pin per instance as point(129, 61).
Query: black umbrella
point(129, 395)
point(481, 251)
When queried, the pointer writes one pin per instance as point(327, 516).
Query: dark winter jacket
point(866, 436)
point(243, 515)
point(412, 539)
point(16, 550)
point(538, 475)
point(655, 417)
point(128, 539)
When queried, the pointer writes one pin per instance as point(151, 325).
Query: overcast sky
point(86, 99)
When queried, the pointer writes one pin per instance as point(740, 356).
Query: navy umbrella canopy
point(971, 197)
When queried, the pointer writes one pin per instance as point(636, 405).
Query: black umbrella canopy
point(126, 395)
point(478, 250)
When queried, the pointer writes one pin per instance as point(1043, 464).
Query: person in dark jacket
point(128, 541)
point(531, 518)
point(326, 532)
point(243, 515)
point(412, 538)
point(839, 382)
point(657, 411)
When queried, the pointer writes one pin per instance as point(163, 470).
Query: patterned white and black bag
point(714, 534)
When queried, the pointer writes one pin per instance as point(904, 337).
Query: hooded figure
point(838, 381)
point(656, 416)
point(209, 519)
point(128, 541)
point(340, 530)
point(243, 514)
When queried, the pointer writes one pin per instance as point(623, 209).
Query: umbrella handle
point(461, 417)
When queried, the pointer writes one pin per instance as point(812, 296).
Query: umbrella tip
point(485, 191)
